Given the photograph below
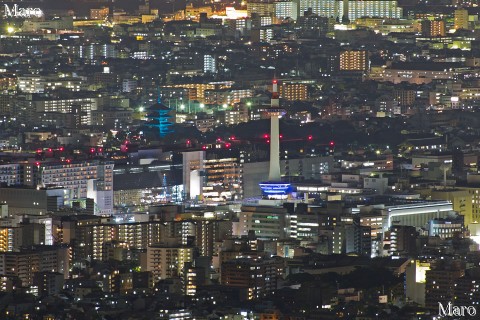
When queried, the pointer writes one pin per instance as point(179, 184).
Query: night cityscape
point(239, 159)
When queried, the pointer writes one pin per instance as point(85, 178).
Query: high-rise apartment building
point(86, 179)
point(99, 13)
point(193, 168)
point(355, 9)
point(208, 233)
point(404, 97)
point(287, 9)
point(209, 64)
point(265, 221)
point(474, 192)
point(314, 26)
point(415, 281)
point(258, 277)
point(352, 9)
point(467, 288)
point(39, 83)
point(223, 179)
point(22, 235)
point(101, 234)
point(237, 114)
point(261, 7)
point(227, 96)
point(462, 201)
point(323, 8)
point(441, 281)
point(461, 19)
point(24, 264)
point(48, 282)
point(354, 60)
point(293, 91)
point(196, 91)
point(11, 174)
point(433, 28)
point(166, 262)
point(402, 240)
point(90, 237)
point(215, 178)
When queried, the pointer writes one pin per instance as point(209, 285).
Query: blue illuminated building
point(160, 117)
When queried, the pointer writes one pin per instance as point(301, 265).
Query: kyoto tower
point(274, 186)
point(275, 113)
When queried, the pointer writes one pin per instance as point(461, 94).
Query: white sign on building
point(18, 12)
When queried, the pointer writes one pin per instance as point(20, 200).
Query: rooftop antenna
point(445, 167)
point(164, 184)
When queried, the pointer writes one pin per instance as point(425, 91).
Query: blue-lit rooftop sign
point(275, 188)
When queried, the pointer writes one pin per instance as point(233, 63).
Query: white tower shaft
point(274, 173)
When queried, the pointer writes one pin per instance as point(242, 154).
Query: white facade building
point(86, 179)
point(209, 64)
point(373, 8)
point(286, 9)
point(323, 8)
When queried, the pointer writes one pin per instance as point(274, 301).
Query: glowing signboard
point(18, 12)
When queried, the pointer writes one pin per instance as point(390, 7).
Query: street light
point(182, 106)
point(225, 106)
point(202, 106)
